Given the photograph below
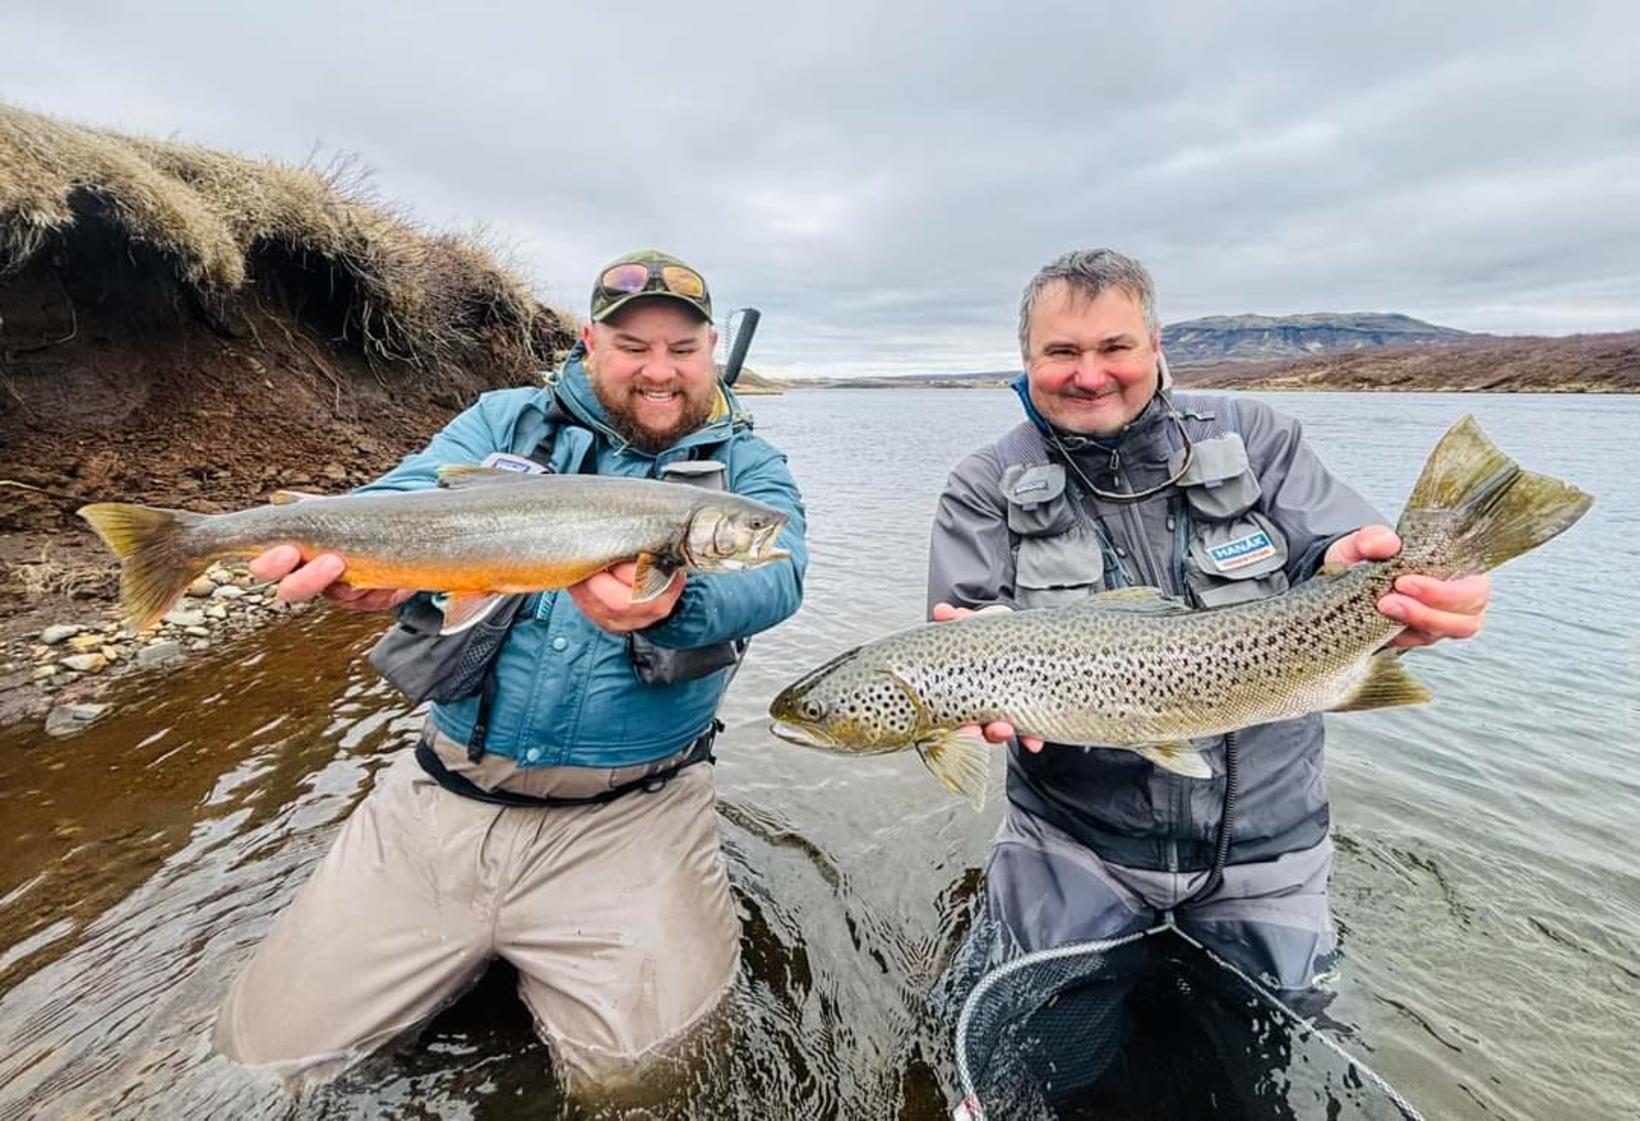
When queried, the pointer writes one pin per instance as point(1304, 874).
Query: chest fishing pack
point(1221, 547)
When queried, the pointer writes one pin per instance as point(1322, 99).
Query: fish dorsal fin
point(1148, 601)
point(961, 762)
point(654, 575)
point(462, 611)
point(287, 497)
point(1386, 684)
point(454, 476)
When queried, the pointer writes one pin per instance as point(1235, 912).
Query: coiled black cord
point(1221, 851)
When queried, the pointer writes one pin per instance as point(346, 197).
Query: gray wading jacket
point(1254, 515)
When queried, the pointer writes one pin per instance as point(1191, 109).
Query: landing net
point(1153, 1025)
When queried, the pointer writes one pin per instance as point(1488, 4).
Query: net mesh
point(1153, 1026)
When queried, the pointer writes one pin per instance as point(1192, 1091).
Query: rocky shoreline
point(62, 670)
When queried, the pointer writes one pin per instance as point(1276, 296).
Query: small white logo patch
point(505, 461)
point(1243, 551)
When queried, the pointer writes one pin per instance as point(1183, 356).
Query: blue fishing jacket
point(566, 693)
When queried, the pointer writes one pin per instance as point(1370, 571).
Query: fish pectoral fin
point(1141, 600)
point(1180, 758)
point(654, 575)
point(462, 610)
point(961, 763)
point(1385, 685)
point(287, 497)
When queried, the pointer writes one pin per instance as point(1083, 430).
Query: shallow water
point(1486, 888)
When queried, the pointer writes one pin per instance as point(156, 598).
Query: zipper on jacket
point(1179, 523)
point(1136, 533)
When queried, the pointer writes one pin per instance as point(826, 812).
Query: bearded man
point(556, 817)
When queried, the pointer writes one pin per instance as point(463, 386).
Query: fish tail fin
point(1474, 508)
point(155, 565)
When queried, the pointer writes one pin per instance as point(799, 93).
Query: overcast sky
point(882, 178)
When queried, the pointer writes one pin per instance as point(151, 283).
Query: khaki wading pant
point(616, 915)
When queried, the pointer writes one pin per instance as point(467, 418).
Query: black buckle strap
point(699, 752)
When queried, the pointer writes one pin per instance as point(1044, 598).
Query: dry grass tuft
point(403, 295)
point(48, 576)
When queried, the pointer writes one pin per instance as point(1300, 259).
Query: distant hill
point(1264, 338)
point(1574, 364)
point(750, 383)
point(1219, 339)
point(1366, 351)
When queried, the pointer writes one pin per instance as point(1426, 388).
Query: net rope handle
point(972, 1109)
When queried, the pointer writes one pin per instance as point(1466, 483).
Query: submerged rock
point(65, 720)
point(159, 654)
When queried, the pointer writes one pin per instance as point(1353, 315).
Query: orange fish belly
point(481, 577)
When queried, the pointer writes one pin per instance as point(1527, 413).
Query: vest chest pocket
point(1057, 560)
point(1037, 503)
point(1220, 483)
point(1237, 560)
point(1059, 570)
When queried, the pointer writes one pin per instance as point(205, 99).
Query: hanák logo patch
point(1243, 551)
point(506, 461)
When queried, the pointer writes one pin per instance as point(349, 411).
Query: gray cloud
point(882, 182)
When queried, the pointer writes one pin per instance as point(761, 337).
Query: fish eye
point(813, 709)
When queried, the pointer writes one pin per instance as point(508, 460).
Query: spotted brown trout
point(1132, 669)
point(482, 533)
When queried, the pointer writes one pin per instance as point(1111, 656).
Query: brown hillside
point(1576, 364)
point(184, 327)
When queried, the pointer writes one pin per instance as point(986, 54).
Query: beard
point(623, 405)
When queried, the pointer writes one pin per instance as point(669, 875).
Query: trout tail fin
point(155, 567)
point(1474, 507)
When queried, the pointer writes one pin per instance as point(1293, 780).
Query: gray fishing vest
point(1219, 547)
point(1205, 539)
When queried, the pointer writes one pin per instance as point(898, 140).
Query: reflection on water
point(1488, 903)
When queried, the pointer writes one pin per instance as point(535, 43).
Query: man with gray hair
point(1111, 480)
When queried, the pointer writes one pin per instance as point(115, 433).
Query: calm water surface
point(1487, 887)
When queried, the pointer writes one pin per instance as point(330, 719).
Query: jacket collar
point(1145, 431)
point(575, 394)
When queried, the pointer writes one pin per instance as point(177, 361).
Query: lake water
point(1487, 887)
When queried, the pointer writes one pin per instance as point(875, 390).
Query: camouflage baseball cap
point(646, 273)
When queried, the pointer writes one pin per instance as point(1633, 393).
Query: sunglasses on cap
point(631, 279)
